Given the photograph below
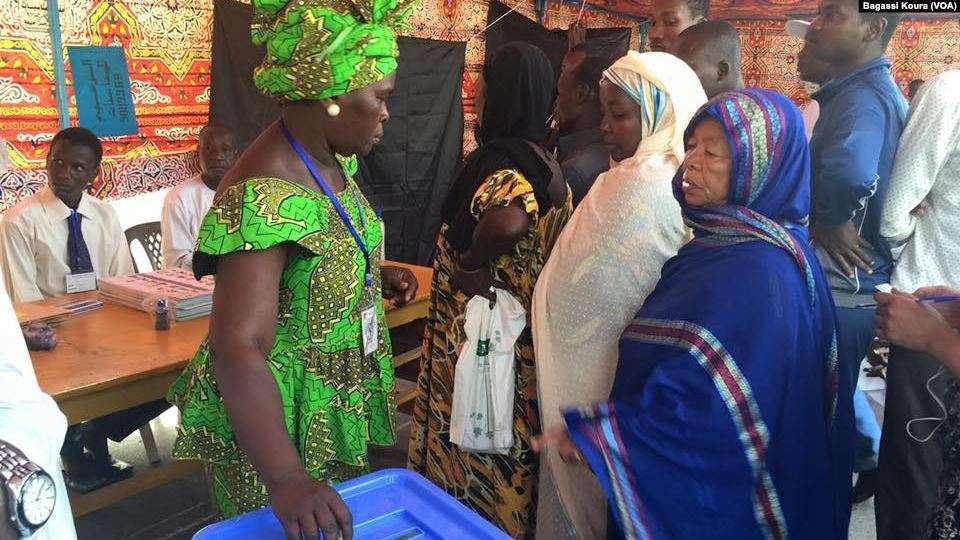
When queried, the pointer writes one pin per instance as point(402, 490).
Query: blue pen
point(927, 300)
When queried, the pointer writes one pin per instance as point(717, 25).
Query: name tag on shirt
point(371, 337)
point(81, 282)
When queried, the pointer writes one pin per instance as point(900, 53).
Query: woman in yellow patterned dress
point(501, 218)
point(295, 379)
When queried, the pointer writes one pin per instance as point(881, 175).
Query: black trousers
point(119, 425)
point(909, 470)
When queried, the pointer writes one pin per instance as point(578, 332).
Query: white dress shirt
point(183, 211)
point(33, 244)
point(30, 420)
point(927, 170)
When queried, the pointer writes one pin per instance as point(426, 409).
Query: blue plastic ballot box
point(392, 504)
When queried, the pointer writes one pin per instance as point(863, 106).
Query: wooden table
point(112, 359)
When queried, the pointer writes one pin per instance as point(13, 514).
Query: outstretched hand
point(306, 507)
point(559, 439)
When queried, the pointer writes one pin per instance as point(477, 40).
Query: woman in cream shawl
point(604, 264)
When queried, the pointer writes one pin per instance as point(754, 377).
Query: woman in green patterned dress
point(295, 379)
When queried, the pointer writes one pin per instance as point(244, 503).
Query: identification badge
point(371, 330)
point(84, 282)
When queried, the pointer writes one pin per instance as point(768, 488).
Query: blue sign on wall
point(101, 84)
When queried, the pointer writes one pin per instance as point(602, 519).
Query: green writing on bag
point(483, 347)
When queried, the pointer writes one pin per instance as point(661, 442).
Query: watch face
point(37, 499)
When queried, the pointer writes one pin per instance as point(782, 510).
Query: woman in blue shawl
point(729, 416)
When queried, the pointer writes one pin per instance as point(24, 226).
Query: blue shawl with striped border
point(729, 416)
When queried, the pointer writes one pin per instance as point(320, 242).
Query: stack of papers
point(187, 297)
point(42, 312)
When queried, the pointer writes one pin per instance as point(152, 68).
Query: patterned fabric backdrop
point(168, 52)
point(732, 9)
point(167, 43)
point(919, 50)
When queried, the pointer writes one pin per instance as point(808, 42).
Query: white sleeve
point(30, 419)
point(925, 144)
point(176, 237)
point(17, 263)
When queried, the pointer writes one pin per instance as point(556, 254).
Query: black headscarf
point(519, 98)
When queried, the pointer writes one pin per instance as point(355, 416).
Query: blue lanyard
point(305, 158)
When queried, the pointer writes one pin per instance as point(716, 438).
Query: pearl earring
point(333, 109)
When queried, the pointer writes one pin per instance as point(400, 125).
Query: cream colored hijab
point(669, 94)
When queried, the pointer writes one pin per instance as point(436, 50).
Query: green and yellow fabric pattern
point(319, 49)
point(336, 400)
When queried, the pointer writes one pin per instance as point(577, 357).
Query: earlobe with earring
point(333, 110)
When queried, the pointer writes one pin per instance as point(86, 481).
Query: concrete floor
point(862, 524)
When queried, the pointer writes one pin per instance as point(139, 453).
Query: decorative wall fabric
point(732, 9)
point(919, 50)
point(167, 44)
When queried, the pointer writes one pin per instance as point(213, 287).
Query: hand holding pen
point(917, 321)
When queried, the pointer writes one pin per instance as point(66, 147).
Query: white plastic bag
point(483, 388)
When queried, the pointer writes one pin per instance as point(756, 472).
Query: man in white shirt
point(187, 204)
point(61, 239)
point(921, 223)
point(32, 422)
point(921, 213)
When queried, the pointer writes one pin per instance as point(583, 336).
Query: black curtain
point(406, 177)
point(235, 102)
point(613, 42)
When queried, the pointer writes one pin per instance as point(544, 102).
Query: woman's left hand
point(558, 438)
point(904, 321)
point(399, 284)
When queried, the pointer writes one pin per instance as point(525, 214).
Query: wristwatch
point(31, 493)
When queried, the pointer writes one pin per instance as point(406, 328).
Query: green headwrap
point(318, 49)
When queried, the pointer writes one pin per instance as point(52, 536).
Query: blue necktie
point(76, 247)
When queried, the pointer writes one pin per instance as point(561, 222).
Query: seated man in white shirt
point(187, 204)
point(60, 241)
point(31, 431)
